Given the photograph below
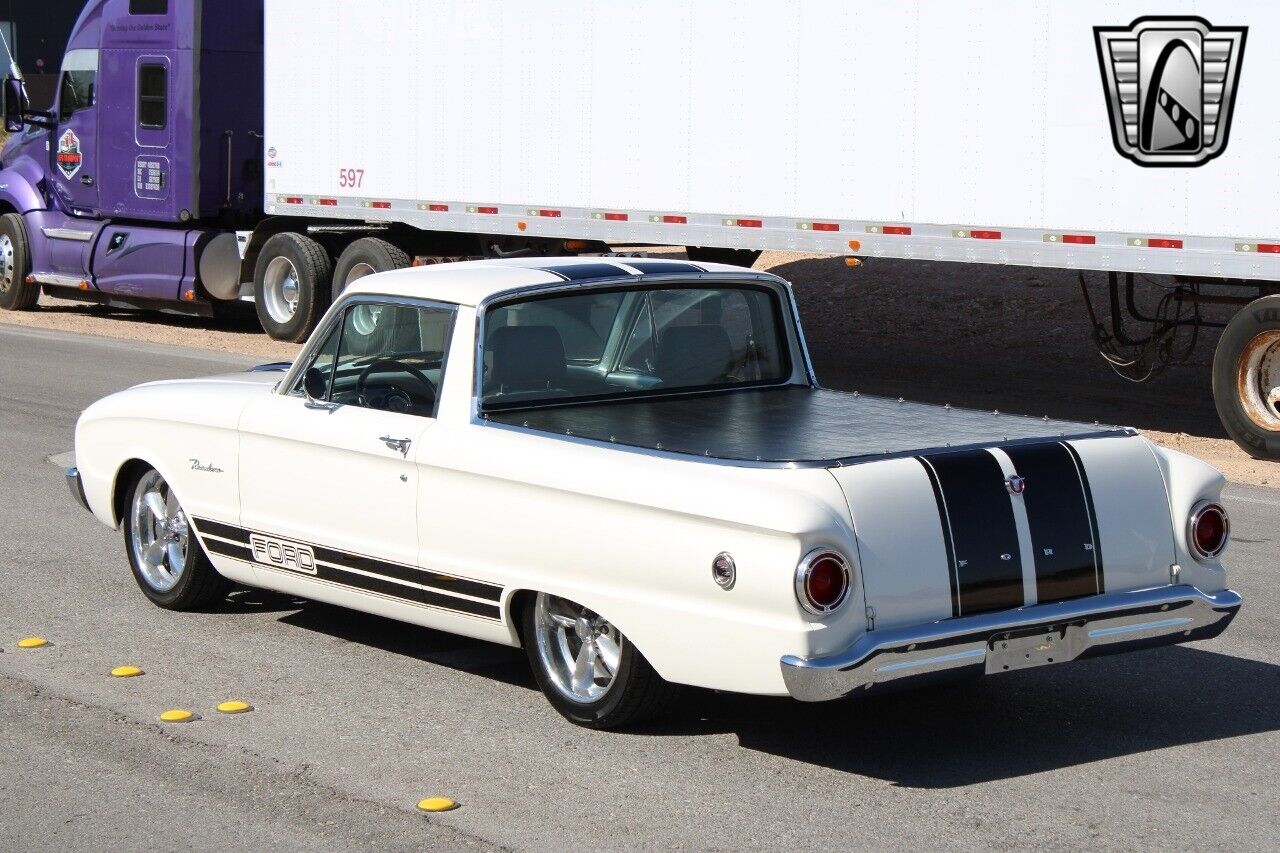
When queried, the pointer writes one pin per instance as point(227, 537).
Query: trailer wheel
point(291, 286)
point(1246, 378)
point(366, 256)
point(15, 266)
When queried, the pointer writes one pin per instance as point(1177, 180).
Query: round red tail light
point(1208, 530)
point(822, 581)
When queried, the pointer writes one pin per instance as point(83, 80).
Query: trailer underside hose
point(1139, 358)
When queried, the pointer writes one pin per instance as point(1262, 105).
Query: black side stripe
point(583, 272)
point(1093, 516)
point(381, 578)
point(987, 558)
point(1063, 542)
point(946, 534)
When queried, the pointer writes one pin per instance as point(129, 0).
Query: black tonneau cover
point(794, 424)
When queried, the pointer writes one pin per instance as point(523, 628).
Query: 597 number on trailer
point(350, 177)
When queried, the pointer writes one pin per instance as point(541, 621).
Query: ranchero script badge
point(1170, 85)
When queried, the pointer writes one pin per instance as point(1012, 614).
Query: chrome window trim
point(799, 351)
point(334, 317)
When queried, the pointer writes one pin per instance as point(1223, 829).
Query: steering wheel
point(393, 364)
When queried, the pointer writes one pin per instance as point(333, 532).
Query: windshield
point(622, 343)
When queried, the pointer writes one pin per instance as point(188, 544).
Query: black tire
point(737, 257)
point(637, 694)
point(15, 266)
point(313, 269)
point(1258, 324)
point(375, 254)
point(199, 585)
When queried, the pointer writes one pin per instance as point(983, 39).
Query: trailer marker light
point(327, 202)
point(670, 219)
point(610, 217)
point(985, 235)
point(1264, 248)
point(852, 262)
point(553, 214)
point(855, 245)
point(521, 225)
point(576, 245)
point(818, 226)
point(292, 199)
point(1155, 243)
point(475, 209)
point(380, 205)
point(902, 230)
point(745, 223)
point(1079, 239)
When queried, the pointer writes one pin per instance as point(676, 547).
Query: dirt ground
point(987, 337)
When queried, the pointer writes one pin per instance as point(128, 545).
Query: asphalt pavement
point(356, 718)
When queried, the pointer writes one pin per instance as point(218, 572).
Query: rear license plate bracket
point(1027, 649)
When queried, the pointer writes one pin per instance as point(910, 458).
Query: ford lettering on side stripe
point(282, 554)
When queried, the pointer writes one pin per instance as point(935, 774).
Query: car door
point(74, 149)
point(329, 484)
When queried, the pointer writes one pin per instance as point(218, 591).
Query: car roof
point(472, 282)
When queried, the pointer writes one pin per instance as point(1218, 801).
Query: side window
point(323, 360)
point(153, 90)
point(388, 357)
point(148, 7)
point(76, 90)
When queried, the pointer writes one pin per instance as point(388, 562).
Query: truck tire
point(15, 266)
point(366, 256)
point(1246, 378)
point(631, 692)
point(291, 286)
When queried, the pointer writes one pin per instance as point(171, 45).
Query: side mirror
point(15, 104)
point(315, 385)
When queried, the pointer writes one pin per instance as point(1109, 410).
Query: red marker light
point(1083, 239)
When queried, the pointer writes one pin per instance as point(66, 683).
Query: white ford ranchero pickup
point(627, 467)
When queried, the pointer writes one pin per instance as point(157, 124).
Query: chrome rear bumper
point(76, 487)
point(1014, 639)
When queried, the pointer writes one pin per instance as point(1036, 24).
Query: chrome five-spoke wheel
point(579, 650)
point(159, 533)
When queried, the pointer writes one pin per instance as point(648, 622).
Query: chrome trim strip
point(76, 485)
point(68, 234)
point(1099, 624)
point(58, 280)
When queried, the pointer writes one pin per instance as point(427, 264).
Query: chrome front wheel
point(159, 533)
point(579, 650)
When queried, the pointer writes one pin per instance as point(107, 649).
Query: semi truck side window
point(79, 77)
point(152, 95)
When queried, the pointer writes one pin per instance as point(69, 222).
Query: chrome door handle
point(400, 444)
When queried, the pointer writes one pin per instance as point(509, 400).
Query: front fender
point(18, 186)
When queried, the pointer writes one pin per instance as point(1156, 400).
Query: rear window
point(599, 345)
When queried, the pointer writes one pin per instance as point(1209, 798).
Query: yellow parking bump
point(127, 672)
point(177, 715)
point(437, 804)
point(32, 642)
point(234, 706)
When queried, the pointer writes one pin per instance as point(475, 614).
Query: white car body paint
point(627, 533)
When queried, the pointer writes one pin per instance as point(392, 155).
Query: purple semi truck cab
point(130, 189)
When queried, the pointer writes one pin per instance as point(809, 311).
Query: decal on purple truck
point(69, 156)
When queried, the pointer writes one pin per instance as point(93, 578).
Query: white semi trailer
point(1117, 136)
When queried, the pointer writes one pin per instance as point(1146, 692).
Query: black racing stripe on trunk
point(946, 533)
point(447, 583)
point(205, 527)
point(583, 272)
point(988, 562)
point(1061, 536)
point(387, 587)
point(228, 549)
point(658, 267)
point(1093, 516)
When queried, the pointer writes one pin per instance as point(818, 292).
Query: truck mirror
point(15, 103)
point(315, 385)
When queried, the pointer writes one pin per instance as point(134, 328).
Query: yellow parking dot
point(177, 715)
point(234, 706)
point(126, 671)
point(32, 642)
point(437, 804)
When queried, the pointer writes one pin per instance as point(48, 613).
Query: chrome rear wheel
point(281, 289)
point(579, 650)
